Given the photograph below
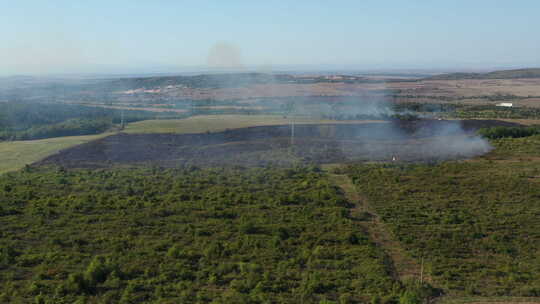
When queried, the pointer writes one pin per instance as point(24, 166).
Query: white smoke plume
point(225, 55)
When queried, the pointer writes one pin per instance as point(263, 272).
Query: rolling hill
point(503, 74)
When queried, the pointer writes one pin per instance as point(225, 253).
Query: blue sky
point(91, 36)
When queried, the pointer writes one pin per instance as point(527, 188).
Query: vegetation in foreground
point(474, 223)
point(186, 236)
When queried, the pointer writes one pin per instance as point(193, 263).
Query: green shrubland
point(475, 223)
point(145, 235)
point(504, 132)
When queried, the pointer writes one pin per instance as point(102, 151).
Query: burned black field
point(405, 141)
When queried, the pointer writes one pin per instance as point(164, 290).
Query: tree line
point(24, 121)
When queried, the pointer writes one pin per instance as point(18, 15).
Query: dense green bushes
point(69, 127)
point(22, 116)
point(494, 112)
point(184, 236)
point(23, 121)
point(475, 223)
point(513, 132)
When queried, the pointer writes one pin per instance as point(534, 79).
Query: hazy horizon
point(72, 37)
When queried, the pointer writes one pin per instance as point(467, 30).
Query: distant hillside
point(505, 74)
point(200, 81)
point(228, 80)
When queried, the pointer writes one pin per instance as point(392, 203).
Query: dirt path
point(404, 267)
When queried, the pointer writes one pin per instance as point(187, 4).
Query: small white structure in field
point(505, 104)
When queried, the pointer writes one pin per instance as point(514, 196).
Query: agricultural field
point(237, 91)
point(215, 123)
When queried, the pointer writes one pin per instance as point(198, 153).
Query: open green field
point(216, 123)
point(16, 154)
point(201, 124)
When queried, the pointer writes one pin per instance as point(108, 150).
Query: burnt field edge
point(311, 143)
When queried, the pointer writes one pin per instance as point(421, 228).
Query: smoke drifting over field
point(406, 135)
point(370, 128)
point(428, 140)
point(442, 140)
